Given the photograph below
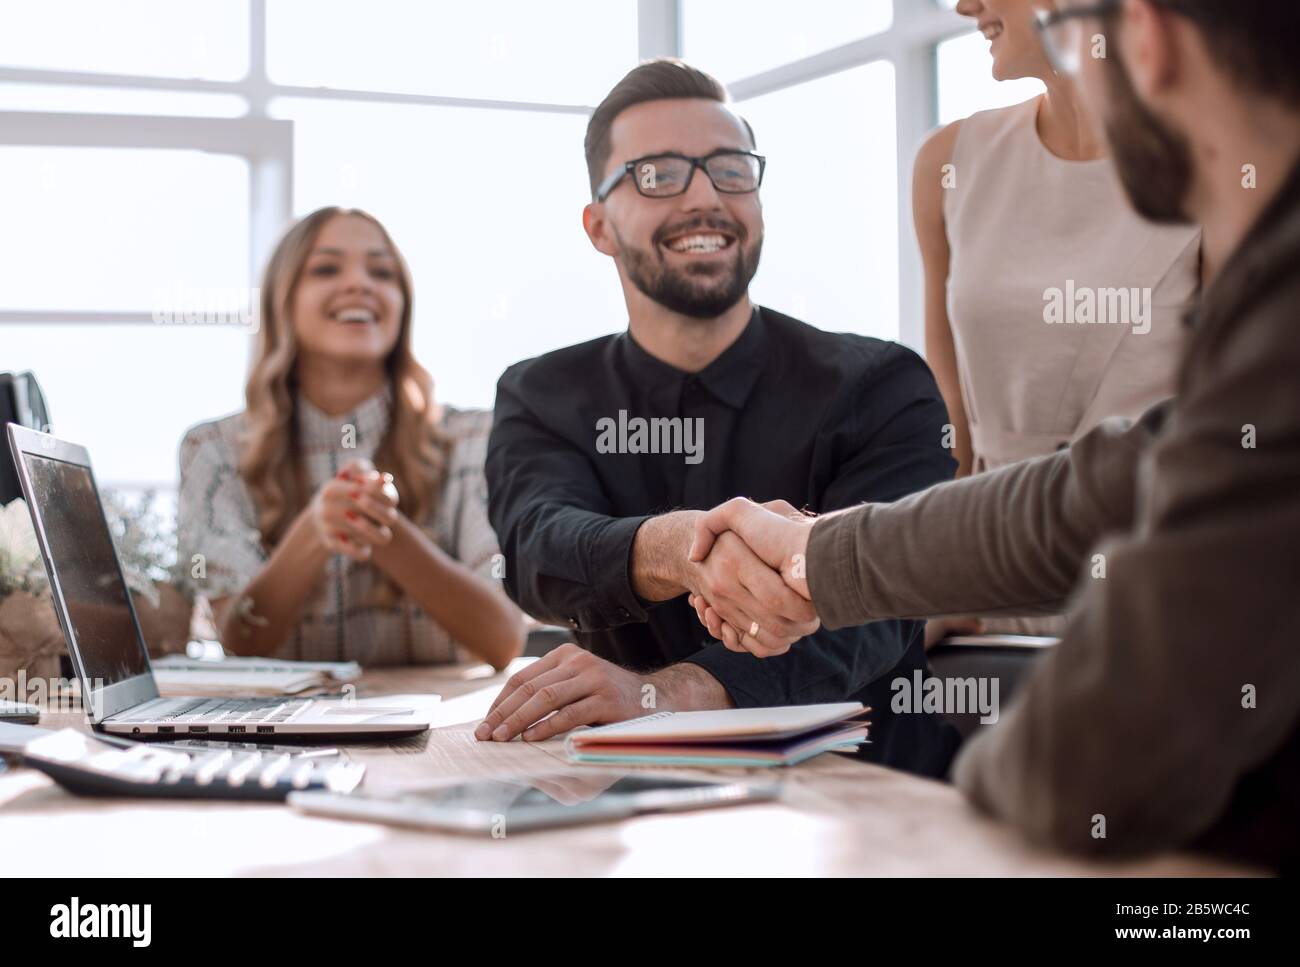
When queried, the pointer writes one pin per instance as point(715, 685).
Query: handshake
point(747, 575)
point(742, 565)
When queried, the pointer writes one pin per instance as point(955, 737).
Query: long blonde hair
point(415, 450)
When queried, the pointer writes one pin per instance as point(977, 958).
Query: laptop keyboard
point(226, 711)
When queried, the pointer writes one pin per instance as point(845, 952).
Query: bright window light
point(830, 201)
point(205, 39)
point(568, 53)
point(733, 39)
point(485, 201)
point(128, 393)
point(111, 228)
point(966, 83)
point(486, 205)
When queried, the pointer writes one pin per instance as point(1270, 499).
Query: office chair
point(21, 402)
point(1007, 658)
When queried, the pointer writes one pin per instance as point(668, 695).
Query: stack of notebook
point(240, 677)
point(778, 736)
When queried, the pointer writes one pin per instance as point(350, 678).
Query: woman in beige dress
point(1050, 305)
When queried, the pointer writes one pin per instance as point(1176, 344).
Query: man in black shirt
point(597, 448)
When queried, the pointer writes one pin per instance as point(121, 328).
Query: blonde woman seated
point(343, 513)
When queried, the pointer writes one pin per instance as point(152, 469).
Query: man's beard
point(702, 291)
point(1153, 159)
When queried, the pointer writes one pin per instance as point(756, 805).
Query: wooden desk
point(836, 816)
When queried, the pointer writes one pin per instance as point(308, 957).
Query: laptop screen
point(82, 557)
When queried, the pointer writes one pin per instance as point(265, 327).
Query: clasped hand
point(757, 599)
point(744, 574)
point(354, 513)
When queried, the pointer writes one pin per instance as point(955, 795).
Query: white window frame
point(908, 44)
point(266, 145)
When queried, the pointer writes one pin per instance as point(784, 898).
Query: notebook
point(237, 676)
point(777, 736)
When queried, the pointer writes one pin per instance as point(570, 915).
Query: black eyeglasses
point(1062, 33)
point(664, 175)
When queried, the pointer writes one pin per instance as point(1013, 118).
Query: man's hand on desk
point(574, 687)
point(778, 535)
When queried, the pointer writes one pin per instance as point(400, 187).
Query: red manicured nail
point(351, 515)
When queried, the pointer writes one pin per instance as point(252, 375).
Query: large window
point(151, 151)
point(488, 214)
point(733, 39)
point(966, 83)
point(112, 228)
point(197, 39)
point(564, 53)
point(129, 391)
point(830, 208)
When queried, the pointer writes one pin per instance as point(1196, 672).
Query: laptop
point(108, 649)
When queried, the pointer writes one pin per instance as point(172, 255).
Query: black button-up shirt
point(823, 420)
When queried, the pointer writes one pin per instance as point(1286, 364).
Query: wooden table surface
point(836, 816)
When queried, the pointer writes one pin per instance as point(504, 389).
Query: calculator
point(85, 765)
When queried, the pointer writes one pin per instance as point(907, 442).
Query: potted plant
point(30, 636)
point(146, 543)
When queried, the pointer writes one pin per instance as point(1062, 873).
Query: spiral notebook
point(777, 736)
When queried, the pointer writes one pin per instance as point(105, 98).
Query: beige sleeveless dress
point(1065, 306)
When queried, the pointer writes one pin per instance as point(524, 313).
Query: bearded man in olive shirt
point(602, 454)
point(1169, 715)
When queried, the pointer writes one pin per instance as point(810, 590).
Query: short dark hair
point(655, 80)
point(1255, 42)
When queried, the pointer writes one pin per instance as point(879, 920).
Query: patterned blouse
point(216, 519)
